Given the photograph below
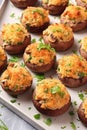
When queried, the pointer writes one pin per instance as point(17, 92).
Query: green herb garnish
point(13, 100)
point(74, 51)
point(40, 77)
point(73, 125)
point(57, 89)
point(29, 58)
point(45, 46)
point(3, 126)
point(75, 103)
point(22, 64)
point(37, 116)
point(71, 113)
point(81, 96)
point(13, 59)
point(48, 121)
point(63, 127)
point(33, 40)
point(81, 74)
point(29, 108)
point(38, 11)
point(79, 41)
point(12, 15)
point(41, 61)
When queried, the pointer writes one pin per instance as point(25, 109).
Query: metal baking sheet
point(11, 14)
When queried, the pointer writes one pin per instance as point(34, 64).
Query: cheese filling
point(72, 66)
point(2, 56)
point(55, 2)
point(75, 14)
point(51, 94)
point(84, 107)
point(39, 54)
point(14, 34)
point(58, 32)
point(16, 78)
point(84, 44)
point(34, 16)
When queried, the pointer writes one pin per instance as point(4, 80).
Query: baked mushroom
point(59, 36)
point(51, 97)
point(35, 19)
point(72, 70)
point(3, 59)
point(83, 48)
point(82, 3)
point(75, 17)
point(15, 38)
point(23, 3)
point(39, 57)
point(16, 79)
point(82, 112)
point(55, 7)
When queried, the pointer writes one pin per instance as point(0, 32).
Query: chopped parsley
point(79, 41)
point(13, 59)
point(57, 89)
point(71, 113)
point(22, 64)
point(73, 125)
point(29, 108)
point(74, 51)
point(75, 103)
point(13, 100)
point(40, 77)
point(48, 121)
point(12, 15)
point(3, 126)
point(41, 61)
point(81, 74)
point(37, 116)
point(81, 96)
point(39, 12)
point(63, 127)
point(45, 46)
point(33, 40)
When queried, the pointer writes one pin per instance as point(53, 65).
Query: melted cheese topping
point(55, 2)
point(84, 44)
point(38, 57)
point(84, 107)
point(13, 34)
point(34, 16)
point(2, 56)
point(16, 78)
point(60, 32)
point(72, 66)
point(75, 14)
point(50, 100)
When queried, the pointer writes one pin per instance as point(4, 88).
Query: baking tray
point(23, 105)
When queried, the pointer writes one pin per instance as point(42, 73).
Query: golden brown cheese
point(76, 14)
point(47, 95)
point(16, 77)
point(2, 56)
point(55, 2)
point(84, 107)
point(60, 32)
point(84, 44)
point(38, 57)
point(13, 34)
point(34, 16)
point(72, 66)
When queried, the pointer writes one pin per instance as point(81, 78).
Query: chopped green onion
point(63, 127)
point(71, 113)
point(3, 126)
point(33, 40)
point(12, 15)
